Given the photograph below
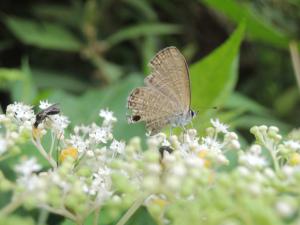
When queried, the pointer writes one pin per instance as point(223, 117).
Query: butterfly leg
point(184, 131)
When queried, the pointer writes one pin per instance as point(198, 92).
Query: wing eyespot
point(136, 118)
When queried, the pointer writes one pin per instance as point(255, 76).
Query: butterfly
point(166, 97)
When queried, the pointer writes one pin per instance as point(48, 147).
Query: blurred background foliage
point(88, 55)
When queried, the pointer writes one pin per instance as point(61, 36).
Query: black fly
point(42, 115)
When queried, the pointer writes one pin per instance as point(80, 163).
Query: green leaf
point(259, 29)
point(239, 101)
point(24, 90)
point(141, 216)
point(85, 109)
point(8, 75)
point(139, 30)
point(58, 80)
point(43, 34)
point(214, 77)
point(247, 121)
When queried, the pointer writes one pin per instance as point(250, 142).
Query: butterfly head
point(192, 113)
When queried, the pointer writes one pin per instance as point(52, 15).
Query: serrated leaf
point(43, 34)
point(213, 78)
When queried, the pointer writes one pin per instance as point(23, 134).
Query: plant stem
point(12, 206)
point(131, 211)
point(96, 216)
point(43, 152)
point(294, 51)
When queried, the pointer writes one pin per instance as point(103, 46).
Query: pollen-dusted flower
point(68, 152)
point(294, 159)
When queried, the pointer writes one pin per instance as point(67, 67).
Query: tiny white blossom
point(3, 118)
point(3, 145)
point(285, 209)
point(34, 183)
point(44, 104)
point(101, 184)
point(22, 113)
point(252, 160)
point(27, 167)
point(210, 143)
point(99, 135)
point(294, 145)
point(107, 116)
point(220, 127)
point(78, 143)
point(59, 123)
point(118, 146)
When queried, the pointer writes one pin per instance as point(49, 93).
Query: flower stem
point(12, 206)
point(131, 211)
point(43, 152)
point(96, 216)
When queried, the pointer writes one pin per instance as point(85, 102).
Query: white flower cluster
point(94, 170)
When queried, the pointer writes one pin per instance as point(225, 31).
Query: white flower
point(100, 135)
point(3, 118)
point(252, 160)
point(44, 104)
point(107, 116)
point(194, 161)
point(285, 209)
point(220, 127)
point(179, 170)
point(78, 143)
point(118, 146)
point(3, 145)
point(294, 145)
point(210, 143)
point(59, 123)
point(34, 183)
point(101, 184)
point(22, 113)
point(27, 167)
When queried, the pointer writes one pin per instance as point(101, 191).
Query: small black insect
point(45, 113)
point(162, 149)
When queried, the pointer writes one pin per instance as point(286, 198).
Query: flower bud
point(68, 152)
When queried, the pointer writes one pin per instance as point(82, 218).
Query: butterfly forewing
point(171, 76)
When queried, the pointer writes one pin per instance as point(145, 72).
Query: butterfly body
point(182, 119)
point(165, 98)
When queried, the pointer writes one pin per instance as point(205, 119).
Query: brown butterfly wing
point(170, 75)
point(152, 106)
